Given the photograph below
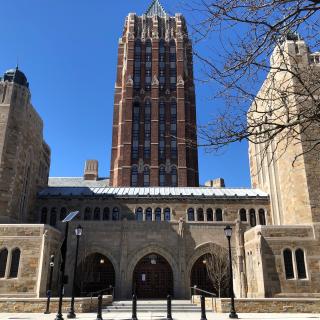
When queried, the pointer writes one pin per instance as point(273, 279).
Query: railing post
point(203, 308)
point(169, 314)
point(99, 312)
point(134, 307)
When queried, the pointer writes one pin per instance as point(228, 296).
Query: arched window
point(252, 216)
point(15, 260)
point(243, 214)
point(149, 214)
point(200, 215)
point(162, 65)
point(87, 214)
point(44, 213)
point(167, 214)
point(115, 214)
point(300, 263)
point(262, 217)
point(106, 213)
point(162, 176)
point(219, 214)
point(63, 213)
point(147, 129)
point(148, 65)
point(146, 176)
point(137, 65)
point(209, 214)
point(3, 262)
point(288, 265)
point(134, 176)
point(190, 214)
point(135, 129)
point(96, 214)
point(53, 217)
point(173, 129)
point(162, 130)
point(139, 214)
point(174, 177)
point(173, 65)
point(158, 214)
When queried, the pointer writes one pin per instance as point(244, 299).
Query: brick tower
point(154, 140)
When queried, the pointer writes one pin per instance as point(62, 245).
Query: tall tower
point(154, 140)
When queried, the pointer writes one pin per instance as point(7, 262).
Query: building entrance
point(95, 273)
point(152, 278)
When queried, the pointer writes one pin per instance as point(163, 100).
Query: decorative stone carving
point(130, 36)
point(155, 35)
point(167, 92)
point(155, 81)
point(180, 81)
point(129, 80)
point(168, 166)
point(142, 91)
point(140, 165)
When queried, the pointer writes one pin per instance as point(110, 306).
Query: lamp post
point(78, 232)
point(51, 264)
point(233, 314)
point(63, 251)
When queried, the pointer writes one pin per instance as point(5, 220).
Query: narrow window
point(173, 129)
point(174, 178)
point(53, 217)
point(162, 176)
point(252, 215)
point(219, 214)
point(162, 130)
point(134, 176)
point(115, 213)
point(288, 265)
point(173, 65)
point(63, 213)
point(209, 214)
point(162, 65)
point(190, 214)
point(147, 130)
point(148, 65)
point(167, 214)
point(200, 215)
point(135, 130)
point(139, 214)
point(137, 65)
point(44, 213)
point(262, 217)
point(158, 214)
point(149, 214)
point(146, 177)
point(87, 214)
point(243, 215)
point(15, 260)
point(3, 262)
point(106, 213)
point(301, 267)
point(96, 214)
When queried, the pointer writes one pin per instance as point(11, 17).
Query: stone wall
point(39, 305)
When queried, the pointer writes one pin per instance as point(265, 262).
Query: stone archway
point(96, 272)
point(152, 277)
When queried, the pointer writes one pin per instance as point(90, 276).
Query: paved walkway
point(157, 316)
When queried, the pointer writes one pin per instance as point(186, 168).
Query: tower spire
point(156, 9)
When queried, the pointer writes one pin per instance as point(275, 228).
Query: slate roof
point(156, 192)
point(156, 9)
point(77, 182)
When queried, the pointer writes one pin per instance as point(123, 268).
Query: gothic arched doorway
point(200, 277)
point(95, 273)
point(152, 277)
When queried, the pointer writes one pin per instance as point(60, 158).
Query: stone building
point(144, 232)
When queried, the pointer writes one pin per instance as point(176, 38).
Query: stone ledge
point(263, 305)
point(38, 305)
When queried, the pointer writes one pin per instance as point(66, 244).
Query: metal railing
point(110, 290)
point(194, 289)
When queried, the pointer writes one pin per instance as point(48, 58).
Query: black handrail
point(195, 288)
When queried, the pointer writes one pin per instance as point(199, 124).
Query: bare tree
point(234, 42)
point(218, 268)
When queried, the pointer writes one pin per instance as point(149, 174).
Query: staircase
point(154, 306)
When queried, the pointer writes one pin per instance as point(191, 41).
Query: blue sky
point(68, 51)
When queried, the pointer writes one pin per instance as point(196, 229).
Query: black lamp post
point(63, 250)
point(78, 232)
point(50, 284)
point(233, 314)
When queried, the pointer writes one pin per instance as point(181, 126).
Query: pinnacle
point(156, 9)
